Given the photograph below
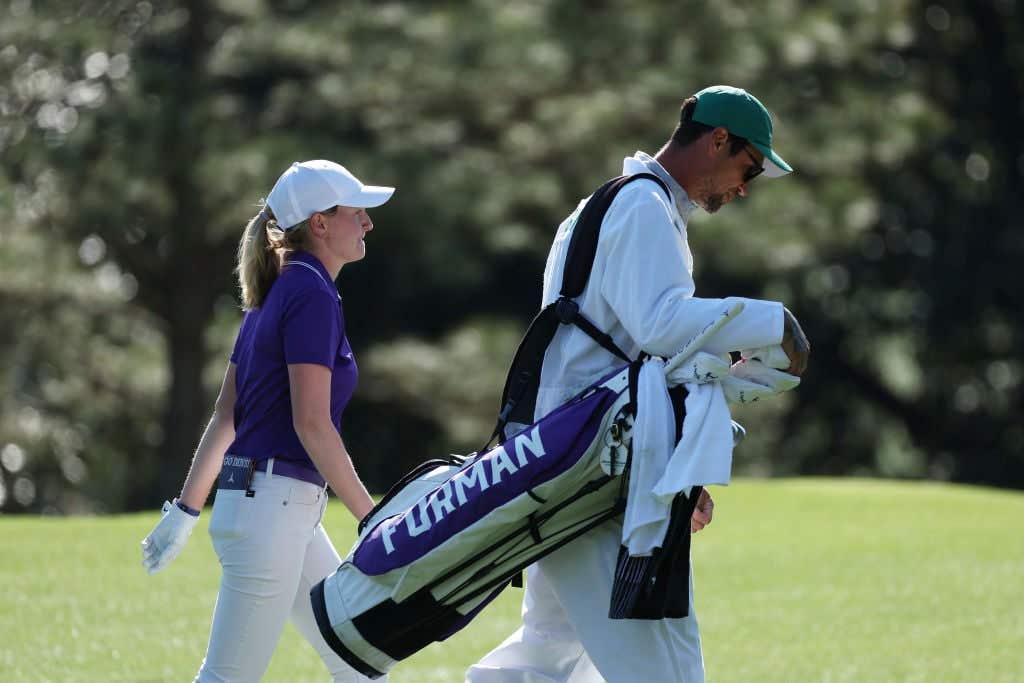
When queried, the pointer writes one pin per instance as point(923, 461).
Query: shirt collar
point(641, 162)
point(310, 259)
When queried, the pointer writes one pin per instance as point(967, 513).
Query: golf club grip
point(698, 339)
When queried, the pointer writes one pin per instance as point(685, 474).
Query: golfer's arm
point(311, 413)
point(217, 436)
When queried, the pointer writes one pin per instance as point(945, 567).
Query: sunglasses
point(755, 170)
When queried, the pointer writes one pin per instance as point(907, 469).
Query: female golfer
point(273, 442)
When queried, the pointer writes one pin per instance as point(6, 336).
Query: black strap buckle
point(566, 309)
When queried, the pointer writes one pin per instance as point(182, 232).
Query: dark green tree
point(138, 137)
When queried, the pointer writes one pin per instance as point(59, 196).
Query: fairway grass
point(797, 581)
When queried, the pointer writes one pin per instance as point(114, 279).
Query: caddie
point(641, 293)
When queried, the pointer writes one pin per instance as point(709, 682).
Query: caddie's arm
point(647, 282)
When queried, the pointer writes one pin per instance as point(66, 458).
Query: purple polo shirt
point(300, 321)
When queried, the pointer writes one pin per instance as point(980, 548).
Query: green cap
point(743, 115)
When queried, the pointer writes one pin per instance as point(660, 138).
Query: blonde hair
point(261, 253)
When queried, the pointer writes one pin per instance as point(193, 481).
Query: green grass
point(798, 581)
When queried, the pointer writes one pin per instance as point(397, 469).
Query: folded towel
point(646, 518)
point(660, 469)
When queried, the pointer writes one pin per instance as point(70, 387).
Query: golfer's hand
point(167, 538)
point(795, 344)
point(703, 512)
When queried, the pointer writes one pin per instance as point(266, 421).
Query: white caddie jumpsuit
point(641, 293)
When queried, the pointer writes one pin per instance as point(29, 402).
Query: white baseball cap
point(317, 185)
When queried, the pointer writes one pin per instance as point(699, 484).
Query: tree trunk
point(188, 407)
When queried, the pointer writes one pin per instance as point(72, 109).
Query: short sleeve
point(243, 334)
point(312, 333)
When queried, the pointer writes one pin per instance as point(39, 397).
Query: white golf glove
point(701, 368)
point(772, 356)
point(751, 380)
point(167, 538)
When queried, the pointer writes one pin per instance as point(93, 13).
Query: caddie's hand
point(702, 512)
point(167, 538)
point(795, 344)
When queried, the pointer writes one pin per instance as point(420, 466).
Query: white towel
point(646, 518)
point(703, 455)
point(658, 472)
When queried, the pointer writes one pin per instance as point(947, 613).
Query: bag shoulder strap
point(579, 260)
point(519, 398)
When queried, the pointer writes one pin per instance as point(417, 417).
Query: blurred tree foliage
point(138, 137)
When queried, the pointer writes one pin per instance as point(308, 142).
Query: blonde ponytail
point(261, 252)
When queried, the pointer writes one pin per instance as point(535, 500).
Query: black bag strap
point(579, 260)
point(519, 397)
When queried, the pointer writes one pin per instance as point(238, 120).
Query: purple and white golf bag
point(451, 535)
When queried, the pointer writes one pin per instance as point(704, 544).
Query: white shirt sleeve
point(648, 285)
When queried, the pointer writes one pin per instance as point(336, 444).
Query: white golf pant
point(567, 637)
point(272, 549)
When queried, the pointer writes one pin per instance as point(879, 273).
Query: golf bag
point(450, 535)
